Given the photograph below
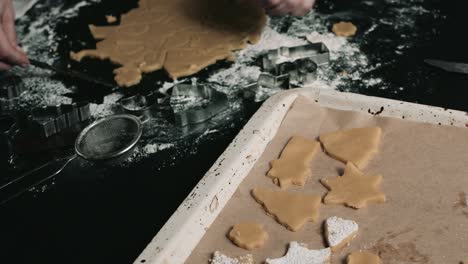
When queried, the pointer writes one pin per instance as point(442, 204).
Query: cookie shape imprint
point(357, 145)
point(293, 210)
point(220, 258)
point(248, 235)
point(298, 254)
point(344, 29)
point(293, 166)
point(339, 232)
point(353, 189)
point(363, 257)
point(181, 36)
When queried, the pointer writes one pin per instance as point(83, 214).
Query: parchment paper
point(425, 172)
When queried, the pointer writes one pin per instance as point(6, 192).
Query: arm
point(293, 7)
point(10, 53)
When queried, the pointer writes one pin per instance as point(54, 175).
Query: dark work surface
point(94, 214)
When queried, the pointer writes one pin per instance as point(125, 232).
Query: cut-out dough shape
point(363, 257)
point(181, 36)
point(339, 232)
point(220, 258)
point(357, 145)
point(293, 167)
point(298, 254)
point(353, 189)
point(248, 235)
point(111, 19)
point(293, 210)
point(344, 29)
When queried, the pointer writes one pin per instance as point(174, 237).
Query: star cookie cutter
point(144, 106)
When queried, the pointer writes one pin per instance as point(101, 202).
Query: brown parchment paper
point(425, 172)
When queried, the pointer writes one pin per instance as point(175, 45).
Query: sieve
point(109, 140)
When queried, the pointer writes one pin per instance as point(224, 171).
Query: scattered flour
point(220, 258)
point(108, 106)
point(298, 254)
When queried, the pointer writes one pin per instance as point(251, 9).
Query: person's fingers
point(4, 66)
point(281, 9)
point(9, 54)
point(8, 23)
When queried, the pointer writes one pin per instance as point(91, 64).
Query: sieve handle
point(33, 178)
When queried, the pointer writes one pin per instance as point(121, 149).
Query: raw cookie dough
point(353, 188)
point(357, 145)
point(363, 257)
point(219, 258)
point(298, 254)
point(344, 29)
point(293, 167)
point(111, 19)
point(181, 36)
point(248, 235)
point(339, 232)
point(290, 209)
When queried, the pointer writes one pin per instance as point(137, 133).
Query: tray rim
point(176, 240)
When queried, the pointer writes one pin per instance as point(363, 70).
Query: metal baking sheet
point(186, 227)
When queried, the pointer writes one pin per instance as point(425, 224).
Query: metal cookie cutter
point(9, 91)
point(259, 91)
point(6, 125)
point(317, 52)
point(301, 72)
point(50, 120)
point(143, 106)
point(196, 103)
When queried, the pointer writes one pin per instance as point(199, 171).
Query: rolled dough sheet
point(181, 36)
point(424, 166)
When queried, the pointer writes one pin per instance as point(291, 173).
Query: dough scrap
point(111, 19)
point(290, 209)
point(339, 232)
point(344, 29)
point(298, 254)
point(181, 36)
point(353, 189)
point(357, 145)
point(220, 258)
point(248, 235)
point(293, 166)
point(363, 257)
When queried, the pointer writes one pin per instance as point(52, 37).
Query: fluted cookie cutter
point(196, 103)
point(316, 52)
point(50, 120)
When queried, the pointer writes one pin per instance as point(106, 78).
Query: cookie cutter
point(9, 91)
point(211, 102)
point(301, 72)
point(144, 106)
point(254, 91)
point(317, 52)
point(50, 120)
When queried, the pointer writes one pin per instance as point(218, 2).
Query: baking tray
point(183, 231)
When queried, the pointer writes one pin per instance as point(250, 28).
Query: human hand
point(283, 7)
point(10, 53)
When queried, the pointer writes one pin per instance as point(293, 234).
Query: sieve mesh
point(109, 137)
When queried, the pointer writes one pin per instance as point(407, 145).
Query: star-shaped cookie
point(291, 209)
point(353, 189)
point(298, 254)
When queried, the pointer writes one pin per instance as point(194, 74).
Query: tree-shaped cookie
point(293, 167)
point(290, 209)
point(353, 189)
point(357, 145)
point(298, 254)
point(339, 232)
point(248, 235)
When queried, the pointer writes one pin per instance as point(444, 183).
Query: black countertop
point(93, 214)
